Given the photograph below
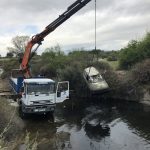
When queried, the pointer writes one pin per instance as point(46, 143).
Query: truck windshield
point(40, 88)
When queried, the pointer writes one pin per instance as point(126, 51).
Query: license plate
point(39, 110)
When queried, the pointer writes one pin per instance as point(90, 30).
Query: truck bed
point(16, 84)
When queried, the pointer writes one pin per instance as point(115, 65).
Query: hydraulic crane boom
point(38, 38)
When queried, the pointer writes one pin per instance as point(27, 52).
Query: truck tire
point(50, 115)
point(21, 113)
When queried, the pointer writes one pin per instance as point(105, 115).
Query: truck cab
point(40, 95)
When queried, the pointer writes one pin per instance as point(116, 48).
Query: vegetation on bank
point(141, 72)
point(136, 51)
point(54, 63)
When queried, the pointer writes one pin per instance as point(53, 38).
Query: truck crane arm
point(38, 38)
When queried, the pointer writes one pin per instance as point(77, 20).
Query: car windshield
point(40, 88)
point(96, 78)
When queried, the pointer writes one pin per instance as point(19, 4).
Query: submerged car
point(94, 80)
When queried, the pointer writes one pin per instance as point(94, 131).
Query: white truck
point(39, 95)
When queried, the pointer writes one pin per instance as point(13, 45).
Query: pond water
point(99, 126)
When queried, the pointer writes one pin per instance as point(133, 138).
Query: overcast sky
point(117, 23)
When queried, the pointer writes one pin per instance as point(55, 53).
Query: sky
point(118, 22)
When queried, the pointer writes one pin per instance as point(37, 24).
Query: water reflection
point(96, 132)
point(137, 117)
point(125, 126)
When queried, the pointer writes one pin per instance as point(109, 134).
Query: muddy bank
point(146, 96)
point(138, 94)
point(11, 125)
point(127, 88)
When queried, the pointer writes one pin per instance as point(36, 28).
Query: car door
point(62, 91)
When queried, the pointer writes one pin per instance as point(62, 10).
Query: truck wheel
point(50, 115)
point(21, 113)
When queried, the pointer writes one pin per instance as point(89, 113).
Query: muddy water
point(100, 126)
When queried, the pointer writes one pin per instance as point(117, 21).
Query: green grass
point(113, 64)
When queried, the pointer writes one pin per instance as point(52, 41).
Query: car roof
point(91, 71)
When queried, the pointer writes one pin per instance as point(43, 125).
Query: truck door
point(62, 91)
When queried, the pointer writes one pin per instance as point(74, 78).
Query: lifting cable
point(95, 31)
point(95, 26)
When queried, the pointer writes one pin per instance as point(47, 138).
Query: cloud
point(117, 22)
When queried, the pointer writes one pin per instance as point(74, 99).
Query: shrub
point(112, 58)
point(9, 64)
point(135, 52)
point(141, 72)
point(101, 65)
point(73, 74)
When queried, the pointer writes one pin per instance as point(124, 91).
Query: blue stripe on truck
point(16, 85)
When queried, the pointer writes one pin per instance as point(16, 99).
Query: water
point(100, 126)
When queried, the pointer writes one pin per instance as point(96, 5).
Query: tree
point(51, 60)
point(112, 55)
point(19, 43)
point(9, 55)
point(56, 49)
